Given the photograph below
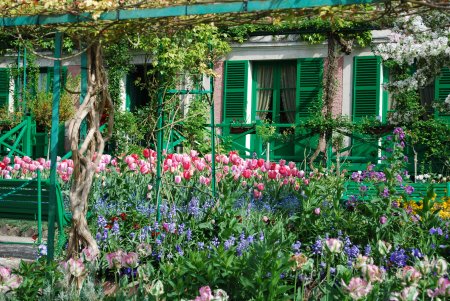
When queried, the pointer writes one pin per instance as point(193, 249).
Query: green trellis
point(245, 6)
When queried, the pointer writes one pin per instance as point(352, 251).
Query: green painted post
point(84, 83)
point(24, 86)
point(54, 147)
point(17, 83)
point(39, 207)
point(213, 138)
point(159, 148)
point(26, 140)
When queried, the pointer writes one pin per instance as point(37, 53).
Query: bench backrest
point(19, 199)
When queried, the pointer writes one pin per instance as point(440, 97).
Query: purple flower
point(317, 247)
point(367, 250)
point(215, 242)
point(383, 219)
point(181, 229)
point(416, 253)
point(261, 236)
point(399, 178)
point(193, 207)
point(409, 189)
point(200, 245)
point(101, 222)
point(399, 257)
point(296, 246)
point(437, 231)
point(385, 193)
point(179, 250)
point(363, 188)
point(188, 234)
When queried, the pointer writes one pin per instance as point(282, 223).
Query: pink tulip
point(76, 267)
point(256, 194)
point(334, 245)
point(383, 219)
point(114, 259)
point(410, 275)
point(144, 169)
point(89, 254)
point(205, 293)
point(317, 211)
point(6, 160)
point(193, 153)
point(372, 273)
point(178, 179)
point(357, 288)
point(260, 186)
point(130, 260)
point(442, 289)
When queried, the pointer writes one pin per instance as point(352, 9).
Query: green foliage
point(127, 134)
point(35, 276)
point(312, 30)
point(194, 126)
point(189, 51)
point(41, 109)
point(118, 60)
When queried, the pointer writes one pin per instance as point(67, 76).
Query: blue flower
point(367, 250)
point(317, 247)
point(296, 246)
point(399, 257)
point(416, 253)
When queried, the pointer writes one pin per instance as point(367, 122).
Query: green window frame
point(307, 87)
point(273, 84)
point(442, 90)
point(4, 87)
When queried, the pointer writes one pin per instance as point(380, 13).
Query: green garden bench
point(420, 191)
point(29, 200)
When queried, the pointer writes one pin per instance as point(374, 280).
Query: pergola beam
point(178, 11)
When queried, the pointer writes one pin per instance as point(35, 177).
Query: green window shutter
point(49, 87)
point(235, 91)
point(4, 87)
point(442, 90)
point(309, 85)
point(366, 86)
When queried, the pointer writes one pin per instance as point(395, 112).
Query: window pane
point(264, 97)
point(287, 93)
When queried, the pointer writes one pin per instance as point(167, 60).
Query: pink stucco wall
point(218, 91)
point(337, 103)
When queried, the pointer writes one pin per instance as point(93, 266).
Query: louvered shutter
point(50, 73)
point(4, 87)
point(366, 86)
point(309, 84)
point(442, 90)
point(235, 91)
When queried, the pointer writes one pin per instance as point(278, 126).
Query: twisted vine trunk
point(87, 154)
point(329, 93)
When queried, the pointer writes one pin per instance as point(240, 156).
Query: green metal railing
point(18, 140)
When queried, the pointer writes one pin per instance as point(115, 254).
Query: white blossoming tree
point(421, 42)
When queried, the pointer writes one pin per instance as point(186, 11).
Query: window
point(284, 92)
point(276, 91)
point(137, 95)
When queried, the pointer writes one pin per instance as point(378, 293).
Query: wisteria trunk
point(86, 154)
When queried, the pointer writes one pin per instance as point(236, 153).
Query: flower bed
point(273, 232)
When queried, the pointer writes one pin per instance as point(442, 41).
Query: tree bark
point(329, 93)
point(87, 156)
